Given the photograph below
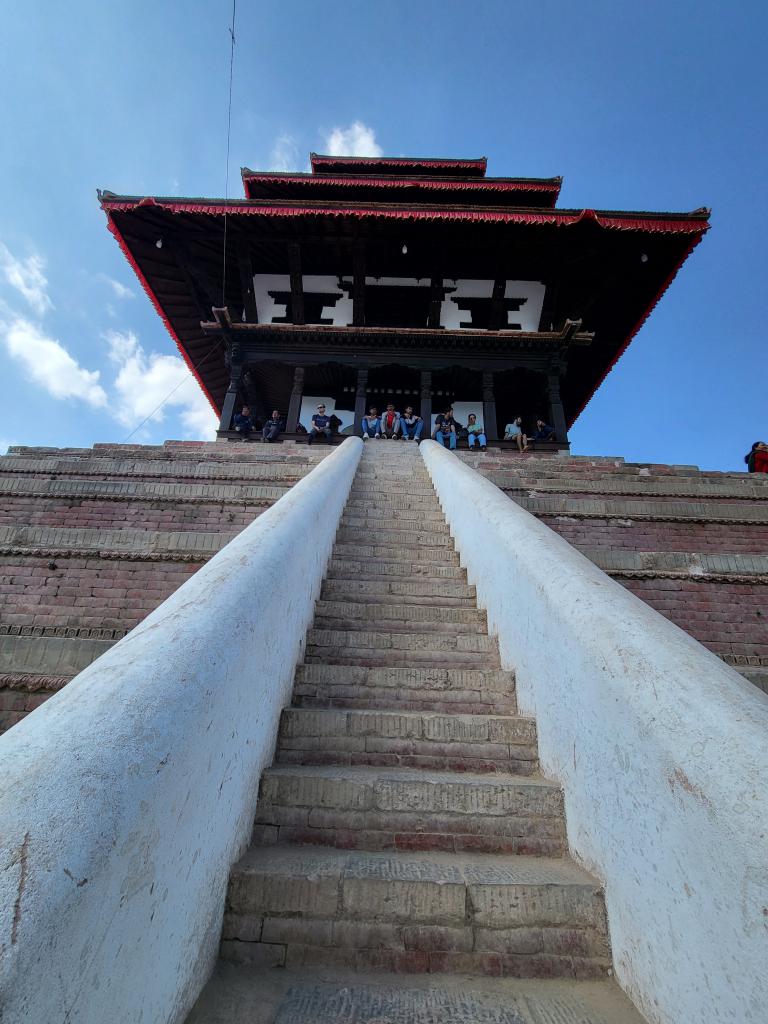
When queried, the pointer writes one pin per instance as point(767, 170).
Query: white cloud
point(145, 381)
point(357, 140)
point(45, 361)
point(119, 289)
point(285, 154)
point(26, 277)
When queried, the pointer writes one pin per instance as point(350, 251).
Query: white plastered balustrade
point(660, 749)
point(125, 798)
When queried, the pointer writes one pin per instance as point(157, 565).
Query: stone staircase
point(405, 826)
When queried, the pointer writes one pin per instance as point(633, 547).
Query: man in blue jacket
point(243, 423)
point(321, 424)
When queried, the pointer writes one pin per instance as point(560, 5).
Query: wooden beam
point(436, 296)
point(358, 286)
point(497, 320)
point(197, 283)
point(245, 266)
point(297, 286)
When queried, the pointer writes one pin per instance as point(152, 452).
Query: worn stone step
point(369, 521)
point(373, 532)
point(418, 517)
point(371, 569)
point(444, 742)
point(443, 619)
point(245, 994)
point(399, 622)
point(405, 648)
point(423, 553)
point(460, 690)
point(392, 639)
point(387, 808)
point(423, 591)
point(303, 906)
point(387, 504)
point(400, 478)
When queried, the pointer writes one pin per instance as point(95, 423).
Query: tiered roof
point(605, 267)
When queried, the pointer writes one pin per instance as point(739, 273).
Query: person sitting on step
point(273, 427)
point(514, 432)
point(321, 424)
point(445, 429)
point(390, 423)
point(411, 425)
point(371, 424)
point(475, 433)
point(544, 431)
point(243, 424)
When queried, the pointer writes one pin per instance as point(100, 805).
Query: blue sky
point(651, 105)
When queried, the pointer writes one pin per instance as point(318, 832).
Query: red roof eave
point(630, 337)
point(159, 309)
point(473, 164)
point(666, 224)
point(472, 185)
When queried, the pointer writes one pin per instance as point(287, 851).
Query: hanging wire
point(218, 345)
point(229, 133)
point(173, 390)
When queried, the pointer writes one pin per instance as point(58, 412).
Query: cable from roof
point(229, 133)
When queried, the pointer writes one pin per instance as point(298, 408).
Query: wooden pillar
point(426, 402)
point(360, 395)
point(297, 393)
point(557, 411)
point(235, 359)
point(489, 408)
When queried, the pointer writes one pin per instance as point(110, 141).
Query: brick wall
point(92, 540)
point(693, 544)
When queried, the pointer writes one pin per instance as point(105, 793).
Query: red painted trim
point(557, 218)
point(652, 305)
point(397, 161)
point(477, 184)
point(158, 308)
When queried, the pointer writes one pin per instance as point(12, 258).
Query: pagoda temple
point(418, 281)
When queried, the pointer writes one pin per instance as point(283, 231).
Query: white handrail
point(125, 798)
point(660, 748)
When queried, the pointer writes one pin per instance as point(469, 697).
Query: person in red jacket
point(757, 458)
point(390, 423)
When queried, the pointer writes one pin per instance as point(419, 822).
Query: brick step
point(454, 690)
point(446, 619)
point(422, 591)
point(296, 906)
point(374, 569)
point(373, 531)
point(394, 553)
point(236, 994)
point(387, 808)
point(443, 742)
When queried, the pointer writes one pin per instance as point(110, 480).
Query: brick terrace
point(92, 540)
